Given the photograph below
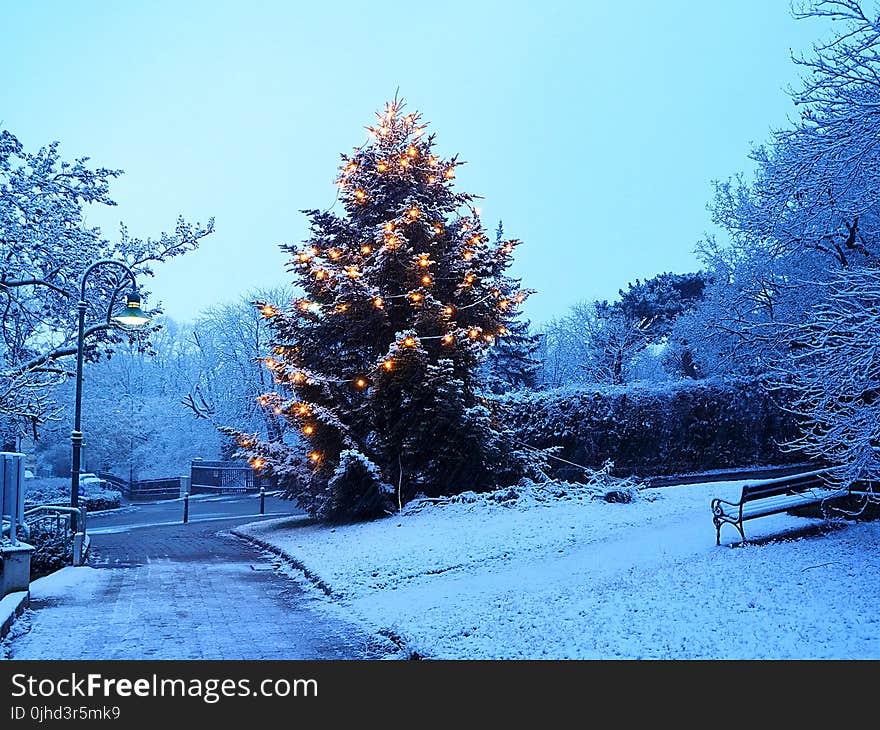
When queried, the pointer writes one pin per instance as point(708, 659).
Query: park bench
point(772, 496)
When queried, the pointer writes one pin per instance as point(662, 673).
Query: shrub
point(52, 550)
point(655, 429)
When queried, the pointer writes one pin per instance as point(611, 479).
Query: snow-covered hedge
point(655, 429)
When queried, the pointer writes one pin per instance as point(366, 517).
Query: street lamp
point(131, 316)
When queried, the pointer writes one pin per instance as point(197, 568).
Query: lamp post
point(132, 316)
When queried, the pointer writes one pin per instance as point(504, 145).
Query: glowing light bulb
point(351, 167)
point(416, 297)
point(450, 173)
point(381, 166)
point(365, 249)
point(473, 333)
point(448, 339)
point(467, 255)
point(320, 274)
point(313, 251)
point(469, 279)
point(489, 337)
point(413, 212)
point(424, 261)
point(409, 341)
point(315, 457)
point(391, 241)
point(305, 306)
point(342, 307)
point(302, 258)
point(352, 272)
point(360, 383)
point(257, 463)
point(360, 195)
point(389, 226)
point(448, 310)
point(412, 151)
point(277, 411)
point(271, 363)
point(520, 298)
point(426, 280)
point(438, 229)
point(268, 310)
point(431, 179)
point(302, 409)
point(502, 330)
point(298, 377)
point(334, 254)
point(404, 162)
point(433, 161)
point(308, 430)
point(508, 248)
point(378, 302)
point(388, 364)
point(504, 304)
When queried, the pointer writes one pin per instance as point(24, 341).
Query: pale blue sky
point(592, 128)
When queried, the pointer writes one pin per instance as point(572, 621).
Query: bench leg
point(717, 533)
point(739, 526)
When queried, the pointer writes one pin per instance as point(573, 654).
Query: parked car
point(88, 480)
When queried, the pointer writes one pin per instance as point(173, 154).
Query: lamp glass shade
point(132, 315)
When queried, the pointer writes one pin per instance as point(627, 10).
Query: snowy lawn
point(589, 579)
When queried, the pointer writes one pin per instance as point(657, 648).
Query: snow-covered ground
point(589, 579)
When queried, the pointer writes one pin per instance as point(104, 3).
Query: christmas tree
point(378, 365)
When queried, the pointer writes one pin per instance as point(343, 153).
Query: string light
point(450, 173)
point(308, 429)
point(271, 363)
point(366, 248)
point(409, 341)
point(412, 151)
point(502, 330)
point(469, 279)
point(305, 306)
point(520, 298)
point(473, 333)
point(257, 463)
point(351, 167)
point(342, 307)
point(378, 302)
point(382, 166)
point(388, 364)
point(438, 229)
point(299, 377)
point(504, 304)
point(433, 161)
point(360, 195)
point(468, 255)
point(426, 280)
point(475, 240)
point(449, 310)
point(320, 274)
point(302, 409)
point(489, 337)
point(448, 338)
point(431, 179)
point(352, 272)
point(277, 411)
point(268, 310)
point(508, 248)
point(361, 383)
point(334, 254)
point(389, 226)
point(313, 251)
point(413, 212)
point(416, 297)
point(423, 260)
point(302, 258)
point(404, 162)
point(315, 457)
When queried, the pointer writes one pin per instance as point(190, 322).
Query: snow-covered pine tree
point(378, 365)
point(513, 363)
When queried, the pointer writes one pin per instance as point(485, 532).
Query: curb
point(317, 581)
point(11, 607)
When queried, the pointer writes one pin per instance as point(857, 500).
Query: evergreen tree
point(378, 365)
point(513, 363)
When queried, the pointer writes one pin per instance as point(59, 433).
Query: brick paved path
point(186, 592)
